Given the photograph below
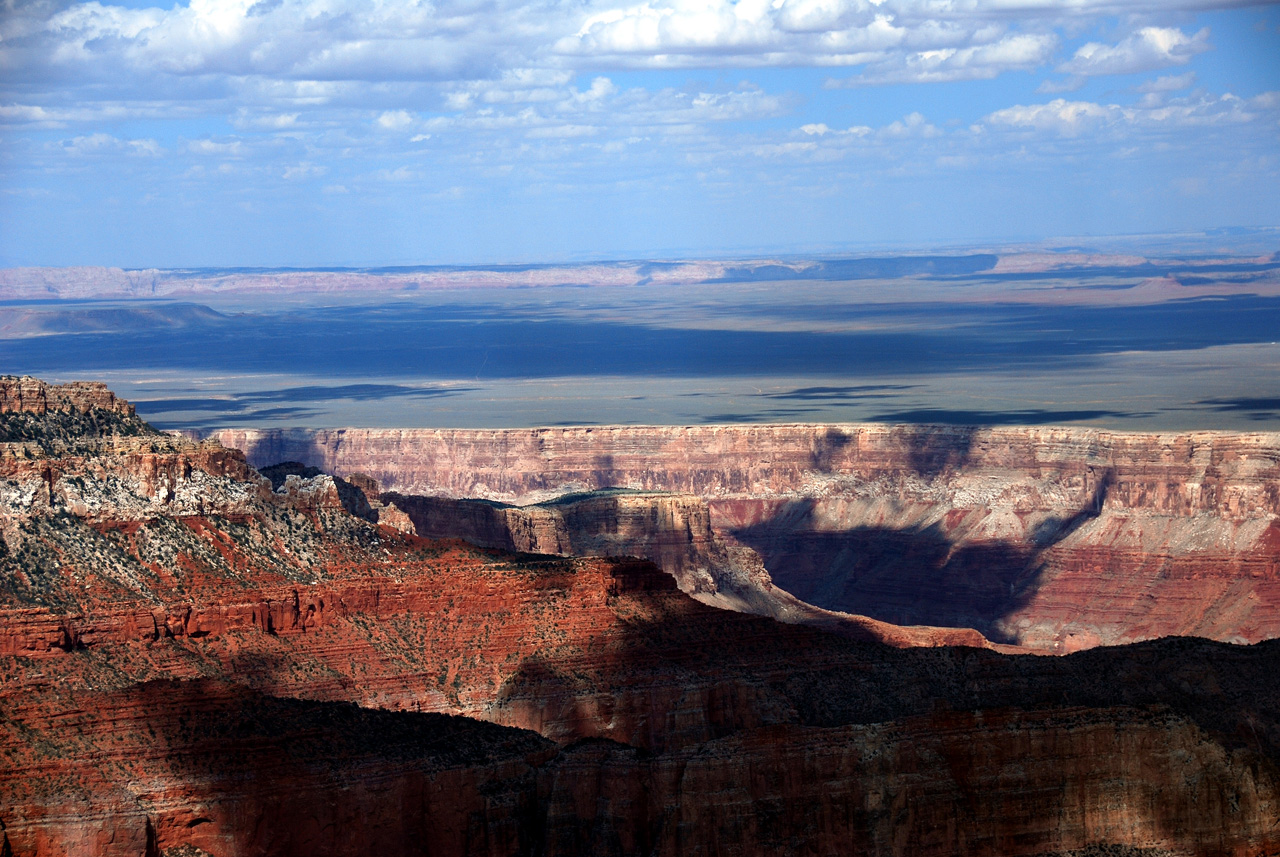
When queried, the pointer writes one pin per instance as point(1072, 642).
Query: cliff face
point(1222, 473)
point(278, 673)
point(671, 530)
point(25, 394)
point(1055, 539)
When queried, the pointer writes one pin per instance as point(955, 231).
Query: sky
point(387, 132)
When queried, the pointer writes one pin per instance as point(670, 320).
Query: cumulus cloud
point(395, 120)
point(304, 170)
point(1147, 49)
point(911, 125)
point(1017, 52)
point(30, 113)
point(247, 120)
point(1059, 115)
point(457, 40)
point(559, 110)
point(404, 94)
point(52, 116)
point(399, 174)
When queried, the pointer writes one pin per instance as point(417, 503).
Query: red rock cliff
point(31, 395)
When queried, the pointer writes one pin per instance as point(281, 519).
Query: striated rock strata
point(24, 394)
point(672, 530)
point(233, 667)
point(1051, 538)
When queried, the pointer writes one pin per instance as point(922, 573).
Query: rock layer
point(31, 395)
point(1052, 538)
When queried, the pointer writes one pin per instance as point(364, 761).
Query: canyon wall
point(1055, 539)
point(205, 660)
point(671, 530)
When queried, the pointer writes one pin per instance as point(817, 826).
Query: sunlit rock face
point(1054, 539)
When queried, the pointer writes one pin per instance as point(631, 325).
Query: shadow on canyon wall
point(931, 449)
point(911, 575)
point(286, 447)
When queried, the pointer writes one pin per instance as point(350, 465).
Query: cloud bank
point(249, 116)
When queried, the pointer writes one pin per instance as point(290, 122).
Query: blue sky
point(355, 132)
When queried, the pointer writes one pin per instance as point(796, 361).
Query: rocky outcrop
point(1051, 538)
point(167, 767)
point(706, 730)
point(31, 395)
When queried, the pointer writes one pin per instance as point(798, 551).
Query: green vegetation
point(58, 429)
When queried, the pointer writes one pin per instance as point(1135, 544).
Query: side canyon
point(1050, 539)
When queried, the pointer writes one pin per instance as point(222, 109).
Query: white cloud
point(29, 113)
point(1017, 52)
point(566, 111)
point(1053, 87)
point(400, 174)
point(231, 148)
point(304, 170)
point(247, 120)
point(1169, 83)
point(911, 125)
point(1148, 49)
point(395, 120)
point(100, 143)
point(1073, 118)
point(321, 42)
point(515, 86)
point(541, 92)
point(1059, 115)
point(564, 131)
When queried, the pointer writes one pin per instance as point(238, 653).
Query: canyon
point(197, 657)
point(1049, 539)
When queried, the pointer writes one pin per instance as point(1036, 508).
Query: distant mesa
point(86, 282)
